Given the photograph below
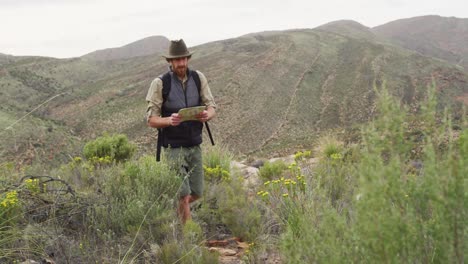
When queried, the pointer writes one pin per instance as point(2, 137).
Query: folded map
point(190, 113)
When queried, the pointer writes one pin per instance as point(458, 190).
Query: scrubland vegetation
point(396, 195)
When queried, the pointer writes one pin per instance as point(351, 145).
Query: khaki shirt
point(155, 98)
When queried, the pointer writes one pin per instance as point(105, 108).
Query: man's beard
point(181, 70)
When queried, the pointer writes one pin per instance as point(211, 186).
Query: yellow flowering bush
point(32, 185)
point(284, 187)
point(336, 156)
point(101, 160)
point(9, 203)
point(216, 174)
point(10, 199)
point(301, 155)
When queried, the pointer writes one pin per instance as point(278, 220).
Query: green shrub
point(225, 199)
point(335, 178)
point(175, 252)
point(10, 212)
point(401, 201)
point(217, 156)
point(272, 170)
point(20, 206)
point(139, 196)
point(109, 148)
point(238, 212)
point(316, 233)
point(189, 249)
point(328, 146)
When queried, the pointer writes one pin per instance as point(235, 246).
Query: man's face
point(179, 66)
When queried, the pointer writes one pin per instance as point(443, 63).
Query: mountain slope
point(440, 37)
point(278, 89)
point(143, 47)
point(295, 84)
point(275, 90)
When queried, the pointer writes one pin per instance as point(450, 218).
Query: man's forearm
point(211, 112)
point(159, 122)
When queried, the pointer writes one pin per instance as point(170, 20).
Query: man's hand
point(174, 119)
point(206, 115)
point(162, 122)
point(203, 116)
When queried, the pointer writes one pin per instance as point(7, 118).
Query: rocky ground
point(232, 249)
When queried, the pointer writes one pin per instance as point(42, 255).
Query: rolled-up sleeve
point(205, 91)
point(154, 99)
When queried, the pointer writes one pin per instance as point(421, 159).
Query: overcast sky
point(70, 28)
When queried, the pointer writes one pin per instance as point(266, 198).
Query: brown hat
point(178, 49)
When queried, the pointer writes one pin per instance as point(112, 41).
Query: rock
point(223, 243)
point(237, 165)
point(287, 160)
point(223, 251)
point(230, 260)
point(29, 261)
point(257, 164)
point(242, 245)
point(250, 173)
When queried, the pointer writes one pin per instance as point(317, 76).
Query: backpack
point(166, 80)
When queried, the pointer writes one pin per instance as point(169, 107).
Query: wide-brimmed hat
point(177, 49)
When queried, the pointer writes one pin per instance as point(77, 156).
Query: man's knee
point(193, 198)
point(186, 198)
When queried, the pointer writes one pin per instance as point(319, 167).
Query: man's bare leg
point(184, 207)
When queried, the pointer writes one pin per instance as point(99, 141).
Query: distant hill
point(4, 59)
point(143, 47)
point(348, 28)
point(440, 37)
point(276, 91)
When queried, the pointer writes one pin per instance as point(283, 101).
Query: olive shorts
point(189, 165)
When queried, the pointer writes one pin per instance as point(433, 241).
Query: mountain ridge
point(440, 37)
point(277, 91)
point(348, 28)
point(143, 47)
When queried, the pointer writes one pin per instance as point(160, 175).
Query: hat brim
point(169, 57)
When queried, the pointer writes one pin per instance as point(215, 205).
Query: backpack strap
point(196, 78)
point(166, 80)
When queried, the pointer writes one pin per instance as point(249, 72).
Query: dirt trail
point(232, 250)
